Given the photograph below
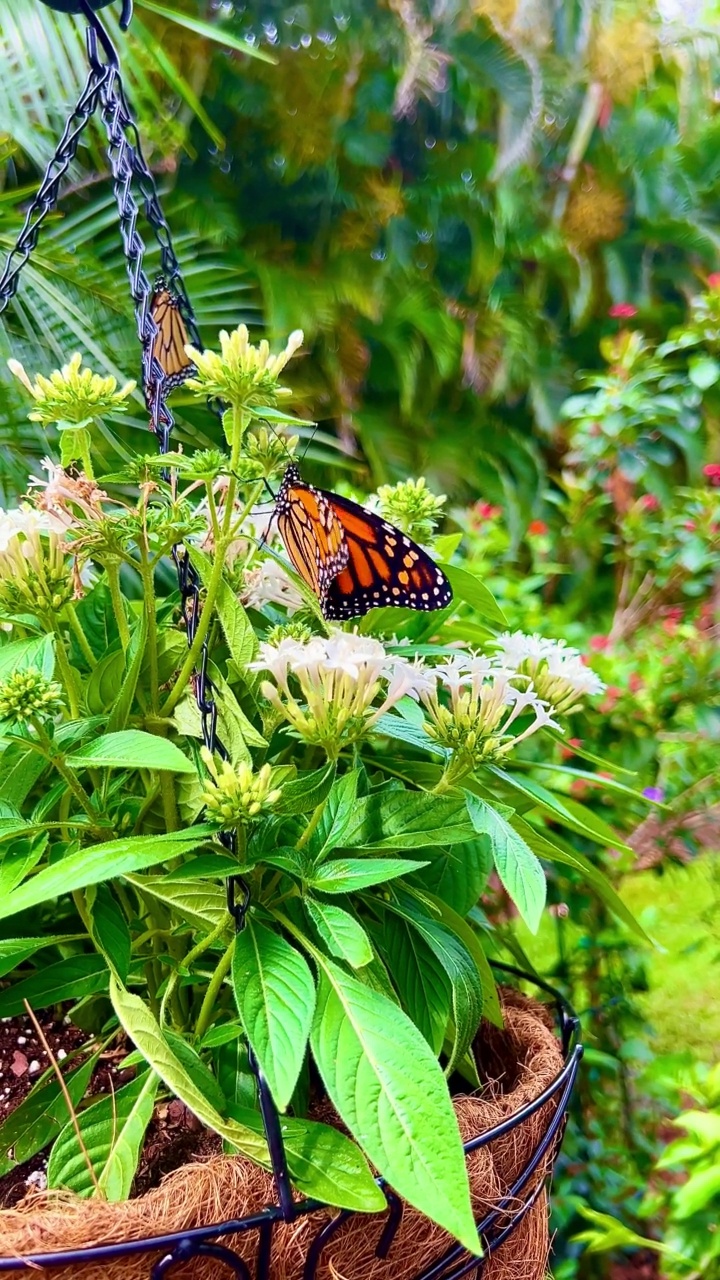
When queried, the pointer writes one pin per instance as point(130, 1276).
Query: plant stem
point(207, 1007)
point(146, 574)
point(198, 950)
point(67, 774)
point(80, 636)
point(213, 586)
point(67, 675)
point(112, 569)
point(311, 826)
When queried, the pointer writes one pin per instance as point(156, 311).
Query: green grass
point(681, 911)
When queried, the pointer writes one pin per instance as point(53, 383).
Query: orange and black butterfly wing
point(312, 534)
point(169, 362)
point(384, 567)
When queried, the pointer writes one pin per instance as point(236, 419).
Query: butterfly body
point(351, 558)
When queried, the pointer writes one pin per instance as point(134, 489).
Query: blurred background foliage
point(497, 223)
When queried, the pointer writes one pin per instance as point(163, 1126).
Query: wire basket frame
point(104, 92)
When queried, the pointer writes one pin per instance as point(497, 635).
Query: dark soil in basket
point(174, 1135)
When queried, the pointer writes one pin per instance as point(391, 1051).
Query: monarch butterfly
point(351, 558)
point(167, 365)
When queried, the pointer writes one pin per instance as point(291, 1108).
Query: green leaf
point(112, 1132)
point(470, 589)
point(142, 1027)
point(68, 979)
point(458, 876)
point(22, 655)
point(349, 874)
point(109, 929)
point(217, 866)
point(701, 1190)
point(326, 1164)
point(518, 868)
point(237, 627)
point(101, 862)
point(392, 726)
point(198, 1071)
point(306, 791)
point(387, 1087)
point(207, 30)
point(42, 1114)
point(131, 749)
point(423, 984)
point(467, 935)
point(703, 372)
point(122, 705)
point(407, 820)
point(201, 904)
point(275, 997)
point(465, 987)
point(342, 934)
point(13, 951)
point(583, 866)
point(337, 812)
point(103, 682)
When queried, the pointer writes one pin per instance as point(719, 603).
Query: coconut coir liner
point(518, 1062)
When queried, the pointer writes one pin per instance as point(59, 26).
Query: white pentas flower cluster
point(558, 672)
point(332, 690)
point(485, 701)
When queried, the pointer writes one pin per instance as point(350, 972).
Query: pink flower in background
point(486, 511)
point(598, 643)
point(712, 471)
point(649, 502)
point(622, 311)
point(713, 280)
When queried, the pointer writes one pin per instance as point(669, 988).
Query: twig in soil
point(64, 1090)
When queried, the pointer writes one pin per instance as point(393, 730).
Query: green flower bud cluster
point(290, 631)
point(237, 795)
point(72, 396)
point(269, 451)
point(412, 507)
point(242, 374)
point(29, 695)
point(35, 575)
point(462, 733)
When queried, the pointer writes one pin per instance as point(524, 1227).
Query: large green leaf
point(201, 904)
point(470, 589)
point(346, 875)
point(325, 1163)
point(41, 1115)
point(306, 792)
point(13, 951)
point(142, 1027)
point(407, 820)
point(112, 1131)
point(516, 864)
point(460, 927)
point(548, 849)
point(342, 934)
point(275, 997)
point(122, 705)
point(337, 813)
point(68, 979)
point(109, 929)
point(131, 749)
point(423, 984)
point(22, 655)
point(388, 1088)
point(101, 862)
point(458, 964)
point(458, 875)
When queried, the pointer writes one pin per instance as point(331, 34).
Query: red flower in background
point(649, 502)
point(486, 511)
point(537, 526)
point(622, 311)
point(713, 280)
point(598, 643)
point(712, 471)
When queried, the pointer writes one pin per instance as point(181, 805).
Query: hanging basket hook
point(96, 29)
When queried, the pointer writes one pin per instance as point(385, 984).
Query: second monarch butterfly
point(351, 558)
point(167, 363)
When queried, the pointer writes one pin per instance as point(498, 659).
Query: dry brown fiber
point(518, 1063)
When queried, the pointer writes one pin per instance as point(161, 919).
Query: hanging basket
point(207, 1214)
